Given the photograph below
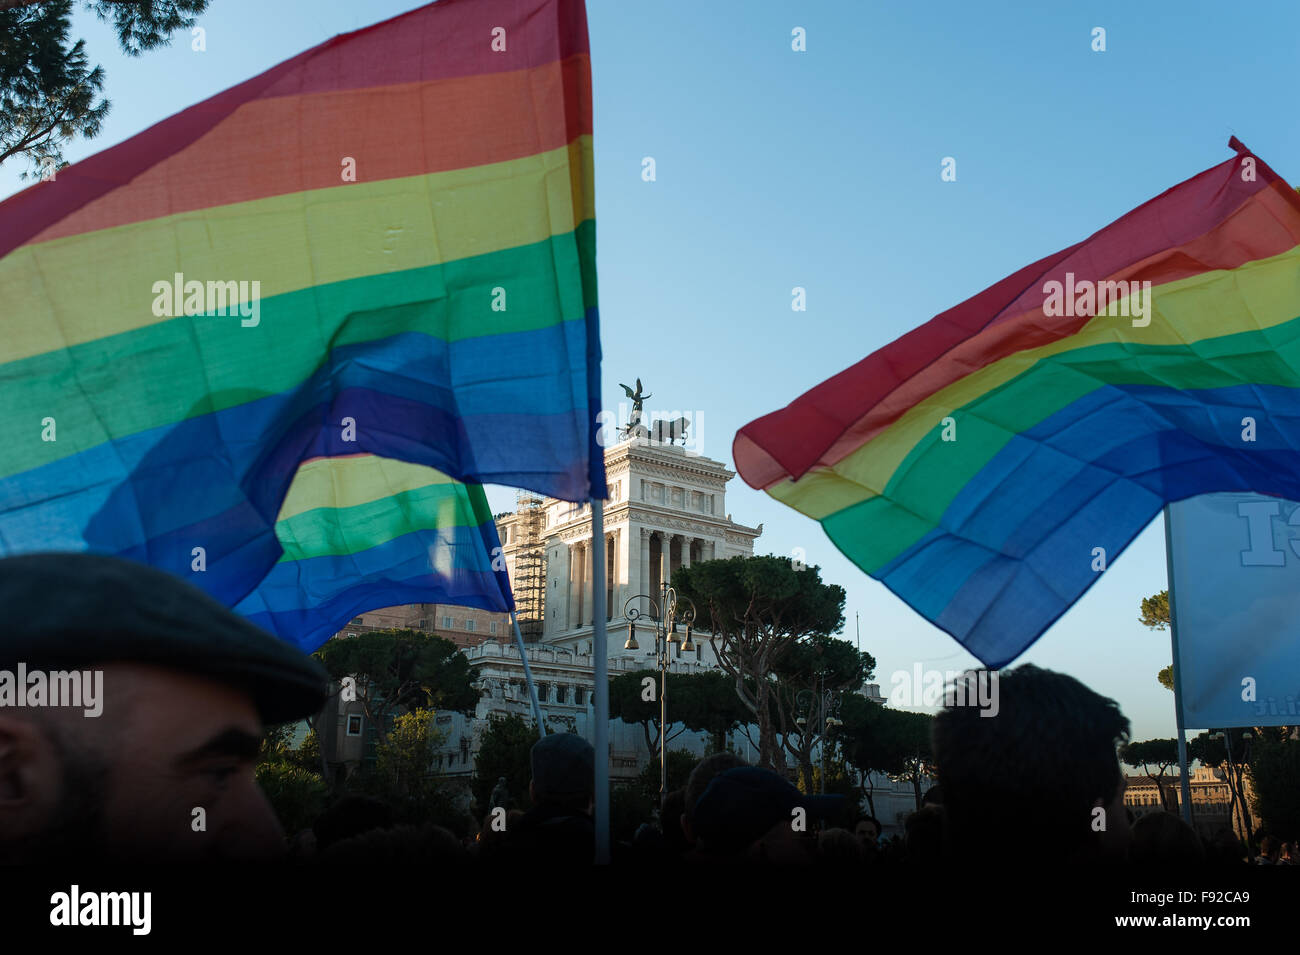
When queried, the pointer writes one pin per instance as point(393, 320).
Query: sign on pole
point(1235, 575)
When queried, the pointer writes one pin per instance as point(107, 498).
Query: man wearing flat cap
point(749, 814)
point(559, 827)
point(160, 766)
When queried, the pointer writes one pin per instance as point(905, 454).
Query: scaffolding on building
point(530, 564)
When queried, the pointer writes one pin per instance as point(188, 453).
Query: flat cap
point(743, 803)
point(63, 611)
point(563, 764)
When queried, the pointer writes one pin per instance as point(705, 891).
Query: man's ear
point(31, 778)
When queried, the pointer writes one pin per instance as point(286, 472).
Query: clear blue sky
point(821, 169)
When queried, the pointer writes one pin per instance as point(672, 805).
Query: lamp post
point(665, 615)
point(825, 720)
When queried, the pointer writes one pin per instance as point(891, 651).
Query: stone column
point(630, 541)
point(665, 559)
point(611, 575)
point(589, 583)
point(572, 607)
point(643, 567)
point(686, 551)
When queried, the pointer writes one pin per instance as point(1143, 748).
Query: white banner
point(1235, 565)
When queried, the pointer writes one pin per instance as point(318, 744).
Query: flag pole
point(600, 675)
point(1184, 785)
point(528, 675)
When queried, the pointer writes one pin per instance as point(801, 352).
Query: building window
point(699, 651)
point(541, 692)
point(577, 696)
point(354, 726)
point(424, 623)
point(471, 624)
point(356, 621)
point(447, 622)
point(492, 626)
point(559, 694)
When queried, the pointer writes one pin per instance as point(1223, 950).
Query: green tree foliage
point(297, 795)
point(701, 702)
point(630, 806)
point(1159, 753)
point(308, 754)
point(907, 737)
point(1155, 615)
point(757, 609)
point(402, 775)
point(1228, 751)
point(396, 670)
point(878, 739)
point(680, 764)
point(290, 778)
point(406, 755)
point(504, 751)
point(1275, 780)
point(275, 743)
point(839, 777)
point(49, 92)
point(803, 676)
point(1155, 611)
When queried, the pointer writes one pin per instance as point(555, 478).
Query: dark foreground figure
point(164, 771)
point(156, 761)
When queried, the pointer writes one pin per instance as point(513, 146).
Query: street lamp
point(825, 720)
point(665, 615)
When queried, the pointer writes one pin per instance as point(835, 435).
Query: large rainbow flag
point(989, 465)
point(383, 246)
point(364, 532)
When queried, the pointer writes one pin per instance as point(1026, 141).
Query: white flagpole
point(528, 675)
point(600, 699)
point(1185, 786)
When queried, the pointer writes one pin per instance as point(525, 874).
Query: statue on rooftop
point(635, 429)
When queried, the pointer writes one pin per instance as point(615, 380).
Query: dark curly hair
point(1029, 776)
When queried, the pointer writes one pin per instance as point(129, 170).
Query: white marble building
point(564, 686)
point(666, 509)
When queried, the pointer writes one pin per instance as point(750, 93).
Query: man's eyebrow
point(229, 742)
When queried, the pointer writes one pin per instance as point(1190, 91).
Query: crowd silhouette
point(1042, 772)
point(188, 686)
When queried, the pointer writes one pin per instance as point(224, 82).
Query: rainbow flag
point(989, 466)
point(364, 532)
point(383, 246)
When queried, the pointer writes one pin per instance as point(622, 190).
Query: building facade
point(1212, 803)
point(463, 626)
point(666, 509)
